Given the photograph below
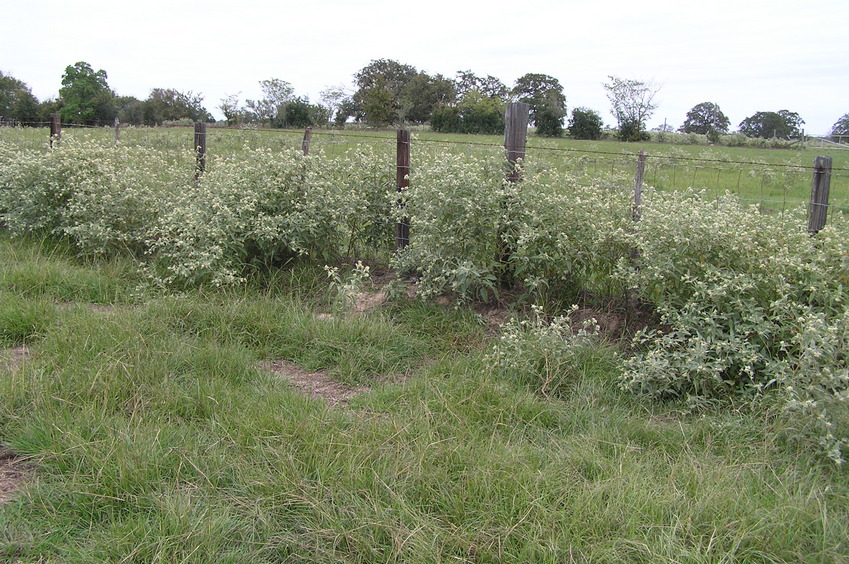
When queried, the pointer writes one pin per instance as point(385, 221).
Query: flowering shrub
point(103, 198)
point(546, 356)
point(750, 303)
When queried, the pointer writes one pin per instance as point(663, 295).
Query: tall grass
point(156, 437)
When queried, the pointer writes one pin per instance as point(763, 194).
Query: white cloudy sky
point(745, 55)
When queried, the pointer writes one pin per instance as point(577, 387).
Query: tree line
point(388, 93)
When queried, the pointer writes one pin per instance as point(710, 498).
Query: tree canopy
point(705, 118)
point(841, 126)
point(782, 124)
point(585, 124)
point(545, 96)
point(86, 96)
point(632, 103)
point(16, 100)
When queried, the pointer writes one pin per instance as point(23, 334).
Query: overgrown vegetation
point(157, 435)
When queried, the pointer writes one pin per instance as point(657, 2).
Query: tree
point(632, 103)
point(380, 85)
point(705, 118)
point(276, 94)
point(168, 104)
point(130, 109)
point(544, 94)
point(782, 124)
point(490, 86)
point(585, 124)
point(16, 100)
point(86, 96)
point(230, 108)
point(475, 113)
point(423, 94)
point(841, 126)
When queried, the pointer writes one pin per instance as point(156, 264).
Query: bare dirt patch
point(14, 472)
point(316, 384)
point(11, 359)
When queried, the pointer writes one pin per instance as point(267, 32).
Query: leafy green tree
point(380, 88)
point(489, 86)
point(16, 100)
point(423, 94)
point(229, 106)
point(276, 94)
point(705, 118)
point(841, 126)
point(475, 113)
point(782, 124)
point(543, 93)
point(130, 109)
point(86, 95)
point(585, 124)
point(632, 103)
point(168, 104)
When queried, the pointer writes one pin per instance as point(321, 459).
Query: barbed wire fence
point(773, 187)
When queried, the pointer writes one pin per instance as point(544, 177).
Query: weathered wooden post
point(55, 128)
point(200, 149)
point(117, 126)
point(402, 182)
point(820, 186)
point(516, 119)
point(515, 137)
point(305, 144)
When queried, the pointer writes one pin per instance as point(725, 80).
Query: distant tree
point(585, 124)
point(841, 126)
point(380, 86)
point(423, 94)
point(348, 109)
point(664, 128)
point(475, 113)
point(168, 104)
point(489, 86)
point(86, 96)
point(276, 93)
point(632, 103)
point(332, 98)
point(543, 93)
point(704, 118)
point(782, 124)
point(16, 100)
point(230, 108)
point(130, 109)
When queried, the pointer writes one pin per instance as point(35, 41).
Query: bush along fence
point(753, 304)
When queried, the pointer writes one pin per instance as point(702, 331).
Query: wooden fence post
point(200, 149)
point(117, 126)
point(638, 185)
point(55, 128)
point(402, 182)
point(820, 186)
point(515, 136)
point(305, 144)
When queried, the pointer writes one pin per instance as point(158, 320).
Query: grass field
point(155, 429)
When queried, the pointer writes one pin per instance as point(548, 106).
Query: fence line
point(780, 184)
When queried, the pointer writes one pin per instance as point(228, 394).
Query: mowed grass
point(155, 436)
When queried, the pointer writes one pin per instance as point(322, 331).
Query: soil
point(14, 472)
point(316, 384)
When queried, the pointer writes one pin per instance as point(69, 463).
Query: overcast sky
point(745, 55)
